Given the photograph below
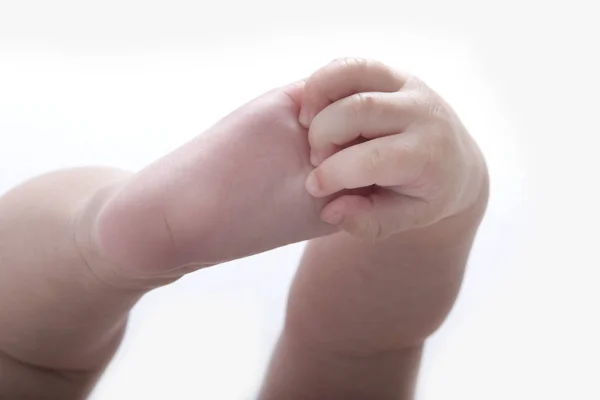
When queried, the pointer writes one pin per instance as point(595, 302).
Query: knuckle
point(427, 103)
point(374, 161)
point(413, 82)
point(442, 143)
point(417, 101)
point(426, 111)
point(366, 228)
point(434, 109)
point(404, 145)
point(417, 214)
point(351, 63)
point(403, 148)
point(362, 104)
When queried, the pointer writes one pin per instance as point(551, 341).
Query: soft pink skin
point(389, 134)
point(240, 183)
point(79, 247)
point(359, 311)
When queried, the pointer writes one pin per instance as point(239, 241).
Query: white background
point(123, 82)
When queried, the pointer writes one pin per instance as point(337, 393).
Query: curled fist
point(393, 151)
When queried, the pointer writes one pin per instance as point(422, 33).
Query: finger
point(386, 161)
point(367, 115)
point(378, 215)
point(295, 91)
point(342, 78)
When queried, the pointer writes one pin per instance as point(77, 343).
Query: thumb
point(378, 215)
point(295, 91)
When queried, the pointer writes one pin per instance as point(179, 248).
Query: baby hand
point(395, 153)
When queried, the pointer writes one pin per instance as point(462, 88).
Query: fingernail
point(332, 217)
point(314, 158)
point(312, 184)
point(303, 118)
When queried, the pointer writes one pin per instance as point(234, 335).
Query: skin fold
point(365, 162)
